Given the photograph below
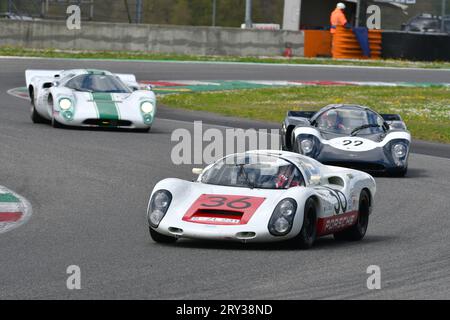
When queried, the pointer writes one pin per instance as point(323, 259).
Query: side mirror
point(386, 126)
point(197, 171)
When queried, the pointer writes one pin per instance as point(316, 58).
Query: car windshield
point(423, 24)
point(254, 171)
point(97, 83)
point(347, 120)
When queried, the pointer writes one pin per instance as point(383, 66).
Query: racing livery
point(350, 136)
point(263, 196)
point(89, 98)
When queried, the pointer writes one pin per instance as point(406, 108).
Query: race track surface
point(89, 191)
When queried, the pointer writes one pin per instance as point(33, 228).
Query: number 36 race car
point(349, 136)
point(90, 98)
point(263, 196)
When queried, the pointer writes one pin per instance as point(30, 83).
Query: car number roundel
point(353, 144)
point(223, 209)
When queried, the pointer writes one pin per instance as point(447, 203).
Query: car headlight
point(147, 107)
point(399, 150)
point(65, 104)
point(282, 219)
point(307, 146)
point(159, 204)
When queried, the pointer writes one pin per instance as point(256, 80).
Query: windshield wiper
point(249, 183)
point(366, 126)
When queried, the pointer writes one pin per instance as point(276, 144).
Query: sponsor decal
point(223, 209)
point(336, 223)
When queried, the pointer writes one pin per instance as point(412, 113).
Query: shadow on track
point(325, 243)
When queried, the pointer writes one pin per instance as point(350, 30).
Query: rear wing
point(129, 80)
point(30, 74)
point(395, 121)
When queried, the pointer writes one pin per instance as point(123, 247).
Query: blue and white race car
point(350, 136)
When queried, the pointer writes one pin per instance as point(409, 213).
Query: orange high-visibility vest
point(337, 19)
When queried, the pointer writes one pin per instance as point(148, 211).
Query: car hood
point(189, 196)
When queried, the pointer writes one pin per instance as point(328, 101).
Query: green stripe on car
point(106, 107)
point(8, 197)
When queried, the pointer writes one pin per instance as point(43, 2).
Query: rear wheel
point(160, 238)
point(357, 231)
point(35, 116)
point(307, 236)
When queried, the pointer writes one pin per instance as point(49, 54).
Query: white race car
point(263, 196)
point(90, 98)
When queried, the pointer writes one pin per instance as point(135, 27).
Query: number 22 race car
point(263, 196)
point(90, 98)
point(349, 136)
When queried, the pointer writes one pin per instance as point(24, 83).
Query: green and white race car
point(90, 98)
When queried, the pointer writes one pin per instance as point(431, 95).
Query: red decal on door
point(223, 209)
point(336, 223)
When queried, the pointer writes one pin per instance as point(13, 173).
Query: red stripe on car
point(10, 216)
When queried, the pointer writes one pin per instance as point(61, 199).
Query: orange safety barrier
point(346, 46)
point(317, 43)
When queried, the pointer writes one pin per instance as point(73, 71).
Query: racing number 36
point(237, 204)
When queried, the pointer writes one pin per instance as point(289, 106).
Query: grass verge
point(146, 56)
point(425, 110)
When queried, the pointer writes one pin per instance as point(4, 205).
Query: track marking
point(14, 210)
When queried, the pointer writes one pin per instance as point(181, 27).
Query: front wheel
point(400, 173)
point(160, 238)
point(357, 231)
point(56, 124)
point(146, 130)
point(307, 236)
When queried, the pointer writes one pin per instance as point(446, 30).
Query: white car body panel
point(338, 143)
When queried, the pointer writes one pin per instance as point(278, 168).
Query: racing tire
point(36, 117)
point(143, 130)
point(160, 238)
point(307, 236)
point(56, 124)
point(357, 231)
point(400, 173)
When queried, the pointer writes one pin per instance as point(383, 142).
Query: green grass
point(148, 56)
point(425, 110)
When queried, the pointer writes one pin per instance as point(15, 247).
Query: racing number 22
point(356, 143)
point(237, 204)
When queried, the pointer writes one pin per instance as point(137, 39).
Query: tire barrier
point(346, 45)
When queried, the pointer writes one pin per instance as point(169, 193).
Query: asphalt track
point(89, 190)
